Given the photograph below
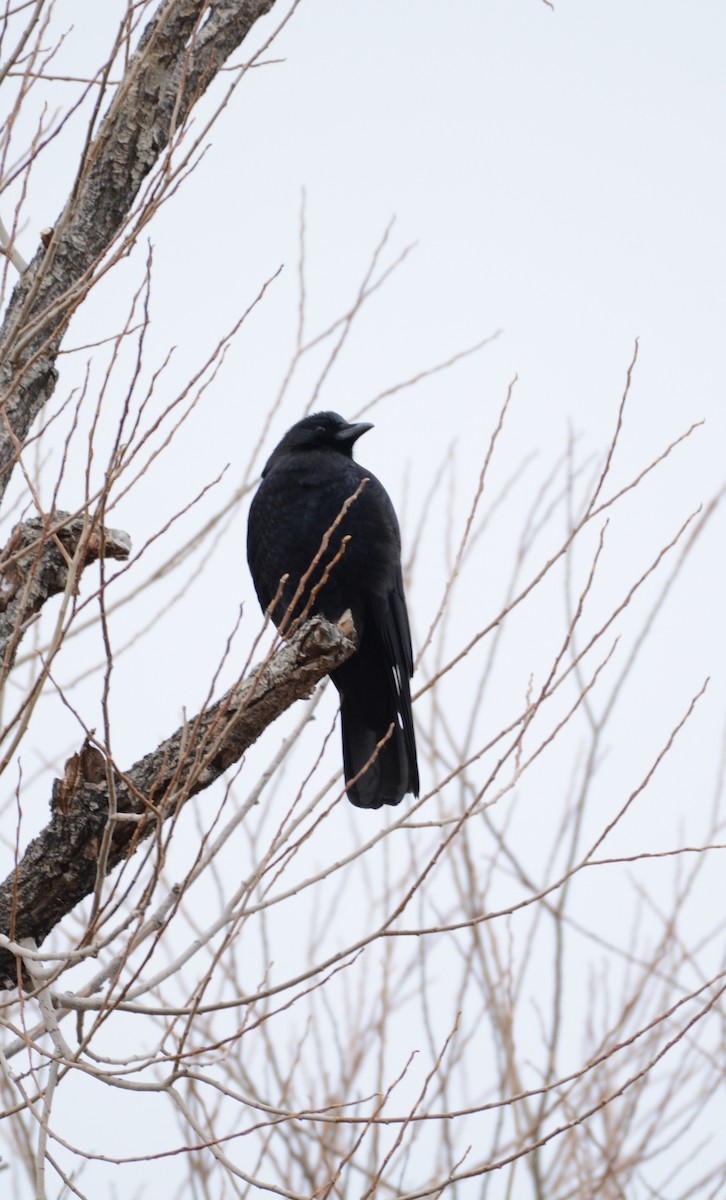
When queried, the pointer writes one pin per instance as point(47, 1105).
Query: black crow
point(305, 484)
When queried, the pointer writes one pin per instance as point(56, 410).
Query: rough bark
point(59, 867)
point(100, 815)
point(177, 58)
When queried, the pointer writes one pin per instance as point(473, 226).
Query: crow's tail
point(388, 773)
point(374, 698)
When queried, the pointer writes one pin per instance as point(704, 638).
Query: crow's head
point(319, 431)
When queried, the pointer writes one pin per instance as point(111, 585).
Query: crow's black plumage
point(305, 484)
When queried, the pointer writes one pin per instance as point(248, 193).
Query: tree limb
point(59, 866)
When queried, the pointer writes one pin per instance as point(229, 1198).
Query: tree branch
point(58, 868)
point(177, 58)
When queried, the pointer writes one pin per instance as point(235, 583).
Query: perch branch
point(58, 868)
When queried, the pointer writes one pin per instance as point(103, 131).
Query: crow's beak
point(352, 432)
